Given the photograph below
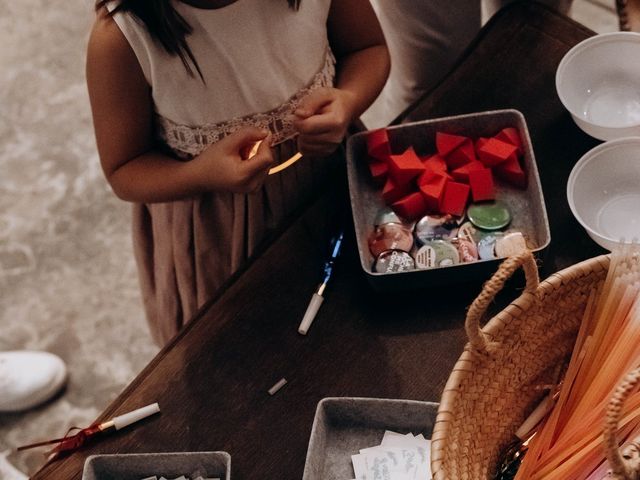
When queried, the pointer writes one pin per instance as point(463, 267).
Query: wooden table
point(212, 380)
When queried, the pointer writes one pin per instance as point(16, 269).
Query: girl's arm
point(361, 71)
point(123, 121)
point(357, 41)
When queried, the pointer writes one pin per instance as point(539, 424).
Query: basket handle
point(477, 338)
point(625, 462)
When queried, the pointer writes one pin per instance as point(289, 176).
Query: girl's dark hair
point(166, 26)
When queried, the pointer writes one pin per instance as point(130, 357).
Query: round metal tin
point(432, 227)
point(466, 249)
point(489, 216)
point(391, 236)
point(393, 261)
point(510, 244)
point(487, 246)
point(437, 253)
point(386, 215)
point(469, 232)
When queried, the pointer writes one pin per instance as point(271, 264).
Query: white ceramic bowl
point(598, 82)
point(604, 192)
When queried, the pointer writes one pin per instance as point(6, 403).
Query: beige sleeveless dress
point(259, 58)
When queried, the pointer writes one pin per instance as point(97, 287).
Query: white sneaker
point(29, 378)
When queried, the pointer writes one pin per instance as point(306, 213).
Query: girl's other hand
point(226, 164)
point(322, 120)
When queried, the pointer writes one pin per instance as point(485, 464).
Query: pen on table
point(317, 298)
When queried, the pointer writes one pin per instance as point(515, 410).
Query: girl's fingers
point(314, 102)
point(243, 140)
point(316, 124)
point(261, 161)
point(264, 148)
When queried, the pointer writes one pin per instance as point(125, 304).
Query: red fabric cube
point(429, 176)
point(435, 162)
point(454, 199)
point(393, 191)
point(493, 152)
point(462, 155)
point(512, 136)
point(379, 171)
point(512, 173)
point(410, 207)
point(447, 143)
point(481, 183)
point(432, 172)
point(433, 192)
point(462, 174)
point(378, 145)
point(480, 141)
point(405, 167)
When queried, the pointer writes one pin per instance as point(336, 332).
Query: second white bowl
point(598, 82)
point(604, 192)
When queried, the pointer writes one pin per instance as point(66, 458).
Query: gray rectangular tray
point(136, 466)
point(527, 206)
point(342, 426)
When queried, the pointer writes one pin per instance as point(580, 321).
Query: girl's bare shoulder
point(108, 47)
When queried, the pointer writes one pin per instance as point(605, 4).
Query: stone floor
point(67, 279)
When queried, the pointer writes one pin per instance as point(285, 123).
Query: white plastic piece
point(310, 314)
point(281, 383)
point(135, 416)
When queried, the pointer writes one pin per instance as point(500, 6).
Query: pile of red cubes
point(463, 168)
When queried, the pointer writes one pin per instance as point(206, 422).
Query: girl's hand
point(226, 164)
point(322, 120)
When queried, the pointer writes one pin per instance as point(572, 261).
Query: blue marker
point(317, 298)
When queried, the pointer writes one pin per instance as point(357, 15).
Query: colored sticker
point(467, 250)
point(489, 216)
point(432, 227)
point(386, 215)
point(393, 261)
point(487, 247)
point(470, 233)
point(437, 253)
point(512, 243)
point(390, 237)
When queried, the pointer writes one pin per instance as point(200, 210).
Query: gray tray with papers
point(344, 425)
point(137, 466)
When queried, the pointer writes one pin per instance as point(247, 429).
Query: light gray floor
point(67, 279)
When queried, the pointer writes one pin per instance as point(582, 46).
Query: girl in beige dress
point(181, 91)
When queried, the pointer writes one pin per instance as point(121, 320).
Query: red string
point(68, 443)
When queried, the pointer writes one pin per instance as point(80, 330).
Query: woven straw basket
point(500, 376)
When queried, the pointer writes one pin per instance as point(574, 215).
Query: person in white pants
point(29, 378)
point(424, 38)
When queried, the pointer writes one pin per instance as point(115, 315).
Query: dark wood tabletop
point(211, 382)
